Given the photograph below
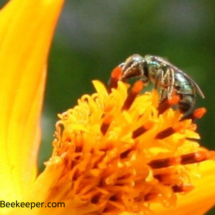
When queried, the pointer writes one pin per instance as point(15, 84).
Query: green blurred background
point(92, 37)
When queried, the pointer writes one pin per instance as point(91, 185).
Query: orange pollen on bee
point(138, 86)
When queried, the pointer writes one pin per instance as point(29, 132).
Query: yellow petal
point(26, 30)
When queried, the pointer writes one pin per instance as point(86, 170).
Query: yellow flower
point(116, 152)
point(126, 152)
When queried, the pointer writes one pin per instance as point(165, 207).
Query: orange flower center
point(123, 151)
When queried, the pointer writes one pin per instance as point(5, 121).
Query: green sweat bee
point(165, 76)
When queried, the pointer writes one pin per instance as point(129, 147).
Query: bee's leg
point(159, 80)
point(163, 94)
point(160, 83)
point(169, 82)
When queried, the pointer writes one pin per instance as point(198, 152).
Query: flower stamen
point(196, 114)
point(165, 104)
point(190, 158)
point(106, 123)
point(142, 129)
point(197, 157)
point(185, 188)
point(169, 131)
point(164, 162)
point(115, 77)
point(138, 86)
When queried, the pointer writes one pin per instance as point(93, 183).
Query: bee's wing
point(198, 90)
point(196, 86)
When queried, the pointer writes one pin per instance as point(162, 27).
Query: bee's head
point(134, 67)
